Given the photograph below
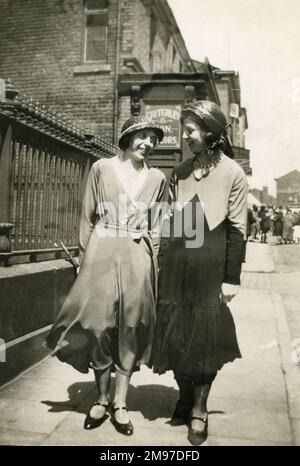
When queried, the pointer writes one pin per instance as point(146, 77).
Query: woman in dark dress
point(265, 224)
point(278, 224)
point(195, 332)
point(107, 320)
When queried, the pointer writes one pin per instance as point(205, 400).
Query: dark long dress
point(278, 224)
point(109, 314)
point(195, 334)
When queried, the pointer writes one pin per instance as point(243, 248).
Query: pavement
point(253, 401)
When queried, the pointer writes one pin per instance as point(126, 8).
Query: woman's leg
point(198, 427)
point(185, 401)
point(201, 393)
point(186, 390)
point(97, 413)
point(122, 384)
point(102, 379)
point(122, 381)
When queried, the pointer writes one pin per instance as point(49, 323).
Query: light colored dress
point(109, 313)
point(288, 223)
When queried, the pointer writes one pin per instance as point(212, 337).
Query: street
point(286, 282)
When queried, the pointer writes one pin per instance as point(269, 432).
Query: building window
point(96, 26)
point(180, 67)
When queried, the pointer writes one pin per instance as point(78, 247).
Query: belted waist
point(135, 233)
point(103, 228)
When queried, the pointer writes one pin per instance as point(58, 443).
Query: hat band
point(202, 114)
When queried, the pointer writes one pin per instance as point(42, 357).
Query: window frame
point(90, 12)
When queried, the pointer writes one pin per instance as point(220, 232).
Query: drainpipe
point(116, 96)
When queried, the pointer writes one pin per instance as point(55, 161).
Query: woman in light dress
point(107, 320)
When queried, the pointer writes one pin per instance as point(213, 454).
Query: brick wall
point(42, 51)
point(127, 29)
point(141, 49)
point(124, 111)
point(43, 45)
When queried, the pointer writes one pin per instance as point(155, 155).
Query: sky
point(261, 40)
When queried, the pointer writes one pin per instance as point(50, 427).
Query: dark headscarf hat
point(207, 114)
point(135, 124)
point(211, 120)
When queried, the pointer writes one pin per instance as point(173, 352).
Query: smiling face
point(141, 144)
point(194, 136)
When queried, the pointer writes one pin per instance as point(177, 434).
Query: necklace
point(214, 159)
point(202, 169)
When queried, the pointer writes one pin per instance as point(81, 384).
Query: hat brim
point(138, 127)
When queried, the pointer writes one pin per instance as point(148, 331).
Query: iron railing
point(44, 164)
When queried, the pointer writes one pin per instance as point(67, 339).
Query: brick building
point(288, 189)
point(263, 196)
point(76, 55)
point(68, 53)
point(229, 90)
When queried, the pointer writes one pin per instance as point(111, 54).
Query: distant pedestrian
point(278, 224)
point(250, 221)
point(296, 234)
point(288, 223)
point(264, 220)
point(255, 227)
point(270, 213)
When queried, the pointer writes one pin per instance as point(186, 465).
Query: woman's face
point(142, 143)
point(193, 135)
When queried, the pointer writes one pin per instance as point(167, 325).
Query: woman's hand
point(228, 292)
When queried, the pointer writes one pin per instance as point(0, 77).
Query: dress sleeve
point(89, 210)
point(236, 228)
point(156, 225)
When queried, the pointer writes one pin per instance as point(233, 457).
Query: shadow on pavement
point(152, 401)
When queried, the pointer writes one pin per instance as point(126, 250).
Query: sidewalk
point(254, 401)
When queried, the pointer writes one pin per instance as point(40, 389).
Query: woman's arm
point(155, 231)
point(236, 228)
point(89, 210)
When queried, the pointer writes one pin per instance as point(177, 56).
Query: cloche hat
point(207, 113)
point(210, 118)
point(135, 124)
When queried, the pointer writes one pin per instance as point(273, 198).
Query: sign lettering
point(167, 117)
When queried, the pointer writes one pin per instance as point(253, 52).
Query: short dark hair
point(126, 141)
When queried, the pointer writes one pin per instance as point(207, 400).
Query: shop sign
point(167, 117)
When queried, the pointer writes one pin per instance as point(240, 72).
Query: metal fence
point(44, 164)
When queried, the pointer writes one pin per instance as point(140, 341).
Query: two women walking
point(108, 319)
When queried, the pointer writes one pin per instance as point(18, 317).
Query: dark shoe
point(182, 413)
point(196, 437)
point(92, 422)
point(125, 429)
